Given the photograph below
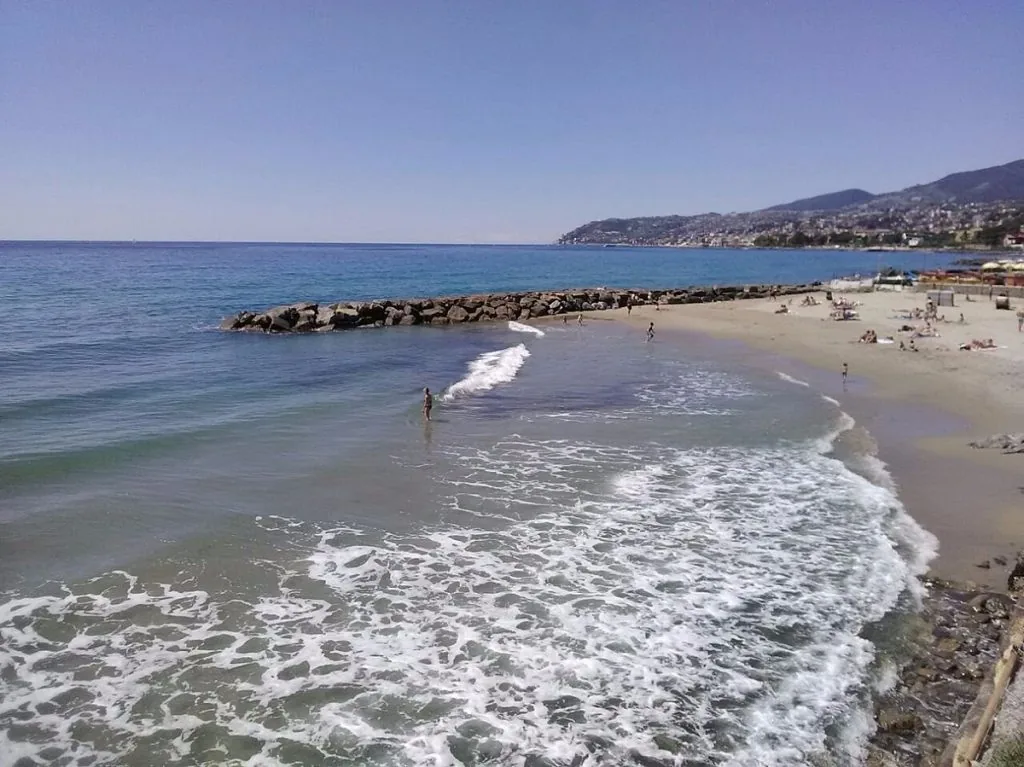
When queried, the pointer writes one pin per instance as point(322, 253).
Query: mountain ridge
point(994, 184)
point(830, 201)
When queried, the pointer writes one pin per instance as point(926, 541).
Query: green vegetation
point(993, 235)
point(1009, 753)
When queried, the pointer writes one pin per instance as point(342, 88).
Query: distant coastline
point(976, 209)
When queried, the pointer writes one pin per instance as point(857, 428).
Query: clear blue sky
point(482, 120)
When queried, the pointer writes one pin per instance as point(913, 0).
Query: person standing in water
point(579, 319)
point(650, 332)
point(846, 372)
point(428, 402)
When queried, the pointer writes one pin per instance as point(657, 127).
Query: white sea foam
point(489, 370)
point(706, 600)
point(791, 379)
point(694, 391)
point(520, 327)
point(830, 400)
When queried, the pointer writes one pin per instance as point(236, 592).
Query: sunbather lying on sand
point(844, 314)
point(976, 343)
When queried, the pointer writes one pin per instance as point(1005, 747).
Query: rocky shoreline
point(311, 317)
point(1008, 443)
point(953, 643)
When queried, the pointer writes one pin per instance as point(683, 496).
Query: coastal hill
point(974, 207)
point(833, 201)
point(1001, 182)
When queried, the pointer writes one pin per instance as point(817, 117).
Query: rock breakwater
point(308, 317)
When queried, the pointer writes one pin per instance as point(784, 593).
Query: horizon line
point(260, 242)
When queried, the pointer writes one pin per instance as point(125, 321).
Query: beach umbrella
point(991, 265)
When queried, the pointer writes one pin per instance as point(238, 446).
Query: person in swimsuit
point(650, 332)
point(428, 403)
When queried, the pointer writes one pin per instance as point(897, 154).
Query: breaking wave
point(489, 370)
point(706, 602)
point(519, 327)
point(790, 379)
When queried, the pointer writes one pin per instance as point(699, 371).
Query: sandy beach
point(920, 408)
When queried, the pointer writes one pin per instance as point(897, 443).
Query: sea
point(249, 549)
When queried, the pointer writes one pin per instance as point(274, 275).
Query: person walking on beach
point(846, 372)
point(579, 319)
point(1020, 321)
point(428, 402)
point(650, 332)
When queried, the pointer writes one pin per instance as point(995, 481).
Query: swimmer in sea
point(428, 403)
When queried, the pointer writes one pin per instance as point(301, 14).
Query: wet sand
point(920, 408)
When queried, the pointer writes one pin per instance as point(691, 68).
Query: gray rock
point(325, 315)
point(457, 314)
point(892, 719)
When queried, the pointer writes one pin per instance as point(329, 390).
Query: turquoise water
point(250, 549)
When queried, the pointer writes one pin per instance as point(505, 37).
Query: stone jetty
point(309, 317)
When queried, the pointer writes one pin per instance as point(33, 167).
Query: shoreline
point(917, 413)
point(921, 409)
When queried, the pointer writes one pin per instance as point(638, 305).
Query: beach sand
point(921, 409)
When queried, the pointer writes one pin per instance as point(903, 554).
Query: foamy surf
point(706, 601)
point(519, 327)
point(572, 594)
point(489, 370)
point(790, 379)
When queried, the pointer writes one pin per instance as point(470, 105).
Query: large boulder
point(278, 324)
point(325, 315)
point(457, 314)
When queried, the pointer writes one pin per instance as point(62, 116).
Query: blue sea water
point(249, 549)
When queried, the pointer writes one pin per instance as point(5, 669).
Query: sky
point(482, 120)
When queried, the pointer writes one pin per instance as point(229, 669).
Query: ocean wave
point(707, 601)
point(790, 379)
point(695, 391)
point(489, 370)
point(519, 327)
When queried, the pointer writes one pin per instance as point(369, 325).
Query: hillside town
point(974, 225)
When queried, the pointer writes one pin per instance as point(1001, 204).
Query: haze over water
point(249, 549)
